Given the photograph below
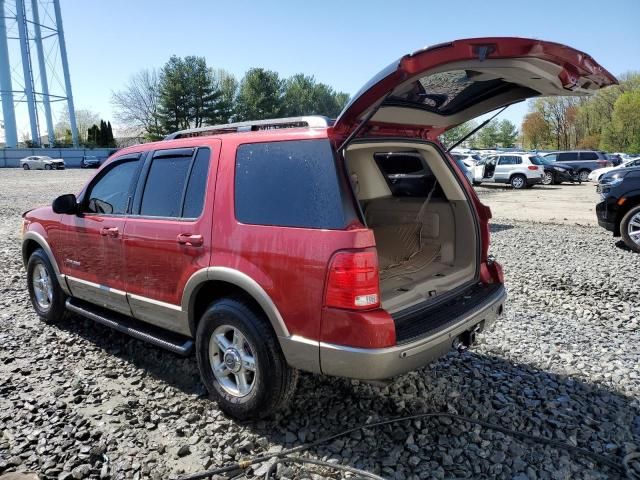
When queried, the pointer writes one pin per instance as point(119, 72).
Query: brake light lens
point(532, 167)
point(604, 163)
point(353, 282)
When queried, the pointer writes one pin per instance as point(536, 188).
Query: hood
point(427, 92)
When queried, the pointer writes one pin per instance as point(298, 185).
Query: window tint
point(194, 198)
point(510, 160)
point(162, 195)
point(588, 156)
point(110, 194)
point(292, 183)
point(407, 175)
point(566, 157)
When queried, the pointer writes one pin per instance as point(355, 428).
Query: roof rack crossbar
point(312, 121)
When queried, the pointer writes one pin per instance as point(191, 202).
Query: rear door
point(434, 89)
point(168, 236)
point(505, 166)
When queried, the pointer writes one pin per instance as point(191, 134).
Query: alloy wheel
point(233, 360)
point(42, 286)
point(547, 179)
point(633, 228)
point(584, 176)
point(517, 182)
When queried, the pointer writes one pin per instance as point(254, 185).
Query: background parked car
point(518, 169)
point(470, 160)
point(555, 173)
point(584, 161)
point(614, 158)
point(89, 161)
point(41, 162)
point(596, 175)
point(619, 209)
point(465, 168)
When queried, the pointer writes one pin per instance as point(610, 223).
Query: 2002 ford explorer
point(352, 247)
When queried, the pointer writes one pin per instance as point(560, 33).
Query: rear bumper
point(384, 363)
point(534, 181)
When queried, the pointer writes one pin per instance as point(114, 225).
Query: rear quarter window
point(567, 157)
point(290, 184)
point(588, 156)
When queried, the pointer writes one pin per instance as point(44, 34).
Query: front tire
point(25, 167)
point(240, 361)
point(518, 182)
point(630, 229)
point(583, 175)
point(47, 167)
point(548, 178)
point(47, 297)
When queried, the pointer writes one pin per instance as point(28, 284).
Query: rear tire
point(252, 378)
point(583, 175)
point(518, 182)
point(46, 296)
point(630, 229)
point(25, 167)
point(475, 184)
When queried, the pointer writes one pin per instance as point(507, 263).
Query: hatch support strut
point(476, 129)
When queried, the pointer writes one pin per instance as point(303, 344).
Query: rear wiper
point(476, 129)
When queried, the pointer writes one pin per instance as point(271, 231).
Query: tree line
point(608, 120)
point(494, 134)
point(187, 93)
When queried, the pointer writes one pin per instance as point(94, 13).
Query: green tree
point(188, 96)
point(454, 134)
point(259, 96)
point(227, 84)
point(507, 133)
point(623, 132)
point(487, 136)
point(302, 95)
point(93, 135)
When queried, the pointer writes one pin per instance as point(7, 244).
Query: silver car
point(42, 162)
point(520, 170)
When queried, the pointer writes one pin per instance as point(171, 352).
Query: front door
point(168, 236)
point(92, 250)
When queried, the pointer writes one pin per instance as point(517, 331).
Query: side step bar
point(142, 331)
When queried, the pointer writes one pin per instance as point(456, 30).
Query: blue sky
point(340, 43)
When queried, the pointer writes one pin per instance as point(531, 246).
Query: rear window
point(588, 156)
point(289, 184)
point(567, 157)
point(406, 174)
point(175, 186)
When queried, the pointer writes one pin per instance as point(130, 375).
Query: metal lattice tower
point(36, 23)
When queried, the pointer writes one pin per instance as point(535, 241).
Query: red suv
point(353, 248)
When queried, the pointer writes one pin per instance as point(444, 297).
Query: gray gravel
point(80, 401)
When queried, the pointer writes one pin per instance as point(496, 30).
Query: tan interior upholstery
point(423, 250)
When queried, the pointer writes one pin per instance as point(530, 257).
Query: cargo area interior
point(425, 232)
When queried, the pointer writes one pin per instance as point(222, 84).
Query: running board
point(142, 331)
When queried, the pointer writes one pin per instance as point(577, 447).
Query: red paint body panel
point(290, 264)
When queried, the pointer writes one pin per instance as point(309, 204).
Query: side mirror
point(67, 204)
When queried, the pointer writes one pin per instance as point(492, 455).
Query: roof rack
point(315, 121)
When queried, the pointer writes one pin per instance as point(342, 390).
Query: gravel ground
point(78, 400)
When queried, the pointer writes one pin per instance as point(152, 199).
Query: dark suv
point(353, 248)
point(582, 161)
point(619, 210)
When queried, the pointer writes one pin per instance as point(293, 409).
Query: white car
point(41, 162)
point(520, 170)
point(469, 159)
point(596, 175)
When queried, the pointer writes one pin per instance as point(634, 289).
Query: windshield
point(539, 160)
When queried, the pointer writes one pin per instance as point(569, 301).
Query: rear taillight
point(532, 167)
point(353, 281)
point(604, 163)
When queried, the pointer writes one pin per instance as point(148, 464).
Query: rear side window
point(110, 193)
point(406, 173)
point(588, 156)
point(290, 184)
point(567, 157)
point(510, 160)
point(175, 185)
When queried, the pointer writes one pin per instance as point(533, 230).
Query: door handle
point(110, 231)
point(190, 240)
